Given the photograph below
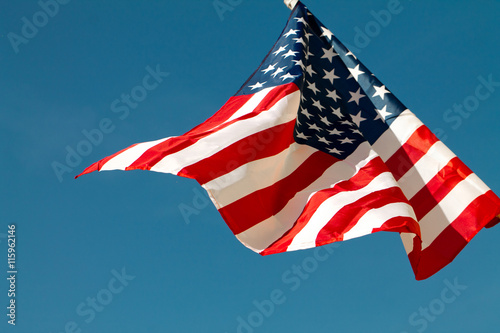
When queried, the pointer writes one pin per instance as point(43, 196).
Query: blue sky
point(119, 237)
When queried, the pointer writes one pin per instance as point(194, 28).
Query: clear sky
point(111, 252)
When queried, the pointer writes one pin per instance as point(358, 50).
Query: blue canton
point(342, 103)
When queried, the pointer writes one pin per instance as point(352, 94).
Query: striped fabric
point(314, 149)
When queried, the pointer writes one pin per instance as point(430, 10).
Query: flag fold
point(314, 149)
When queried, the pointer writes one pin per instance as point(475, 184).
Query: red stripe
point(454, 237)
point(345, 219)
point(439, 186)
point(400, 224)
point(264, 203)
point(226, 111)
point(97, 166)
point(256, 146)
point(395, 224)
point(493, 222)
point(359, 180)
point(348, 216)
point(231, 106)
point(411, 151)
point(155, 154)
point(362, 178)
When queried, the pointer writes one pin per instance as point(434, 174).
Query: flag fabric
point(314, 149)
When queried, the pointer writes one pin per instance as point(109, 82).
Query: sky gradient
point(111, 252)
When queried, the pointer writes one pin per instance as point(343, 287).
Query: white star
point(346, 140)
point(290, 53)
point(380, 91)
point(300, 63)
point(356, 96)
point(335, 151)
point(382, 114)
point(326, 33)
point(287, 76)
point(302, 136)
point(307, 35)
point(337, 112)
point(329, 54)
point(355, 72)
point(318, 104)
point(322, 139)
point(301, 20)
point(310, 70)
point(291, 32)
point(270, 68)
point(350, 53)
point(325, 121)
point(281, 49)
point(330, 75)
point(257, 85)
point(347, 122)
point(312, 86)
point(306, 113)
point(333, 94)
point(357, 119)
point(356, 131)
point(314, 127)
point(335, 132)
point(300, 40)
point(308, 54)
point(279, 70)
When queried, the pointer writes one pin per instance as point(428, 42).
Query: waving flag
point(314, 149)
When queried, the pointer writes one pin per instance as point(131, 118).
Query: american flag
point(314, 149)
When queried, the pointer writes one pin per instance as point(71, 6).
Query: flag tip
point(290, 3)
point(92, 168)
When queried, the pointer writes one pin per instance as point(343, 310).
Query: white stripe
point(260, 236)
point(436, 158)
point(376, 217)
point(250, 105)
point(448, 209)
point(242, 181)
point(407, 239)
point(306, 238)
point(397, 134)
point(283, 111)
point(123, 160)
